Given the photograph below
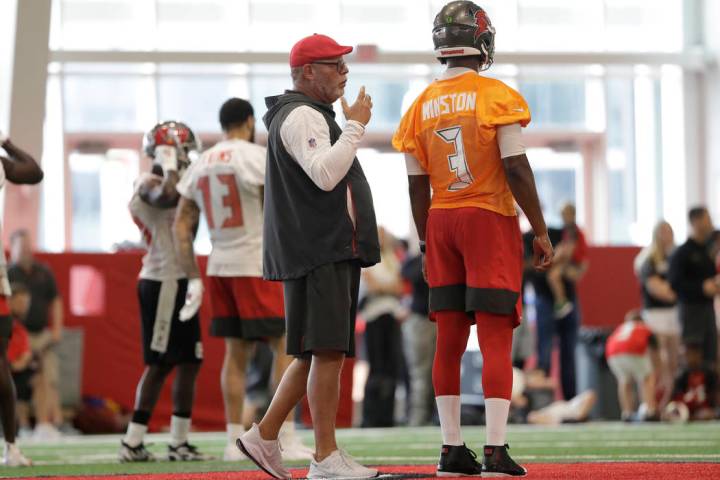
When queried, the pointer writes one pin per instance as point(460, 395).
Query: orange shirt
point(451, 130)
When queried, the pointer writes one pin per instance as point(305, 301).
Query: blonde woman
point(659, 301)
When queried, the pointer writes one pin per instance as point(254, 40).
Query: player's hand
point(360, 111)
point(542, 253)
point(3, 138)
point(193, 299)
point(166, 157)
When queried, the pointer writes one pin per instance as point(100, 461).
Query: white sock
point(234, 431)
point(135, 434)
point(496, 416)
point(179, 428)
point(449, 413)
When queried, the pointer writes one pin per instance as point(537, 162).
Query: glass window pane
point(558, 176)
point(555, 103)
point(113, 103)
point(196, 100)
point(101, 186)
point(106, 24)
point(201, 25)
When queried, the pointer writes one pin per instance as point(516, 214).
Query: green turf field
point(594, 442)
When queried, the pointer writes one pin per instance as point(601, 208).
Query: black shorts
point(167, 340)
point(23, 388)
point(320, 309)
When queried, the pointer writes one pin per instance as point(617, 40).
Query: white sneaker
point(46, 432)
point(340, 464)
point(233, 454)
point(265, 453)
point(14, 457)
point(293, 448)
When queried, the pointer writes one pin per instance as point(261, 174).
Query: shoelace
point(472, 453)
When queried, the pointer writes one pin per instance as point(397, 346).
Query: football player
point(170, 340)
point(226, 184)
point(17, 167)
point(462, 137)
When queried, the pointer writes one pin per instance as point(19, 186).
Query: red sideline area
point(536, 471)
point(101, 299)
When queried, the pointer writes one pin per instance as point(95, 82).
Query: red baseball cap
point(316, 47)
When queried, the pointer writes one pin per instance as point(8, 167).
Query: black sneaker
point(458, 461)
point(187, 453)
point(497, 463)
point(134, 454)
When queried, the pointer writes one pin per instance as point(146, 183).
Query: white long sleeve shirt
point(306, 136)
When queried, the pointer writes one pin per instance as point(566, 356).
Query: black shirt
point(40, 282)
point(412, 272)
point(539, 279)
point(690, 266)
point(650, 269)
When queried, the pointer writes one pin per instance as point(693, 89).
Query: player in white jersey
point(17, 167)
point(227, 185)
point(170, 341)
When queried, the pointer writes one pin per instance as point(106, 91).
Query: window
point(102, 185)
point(108, 103)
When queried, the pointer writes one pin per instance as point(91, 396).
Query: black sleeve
point(684, 286)
point(50, 286)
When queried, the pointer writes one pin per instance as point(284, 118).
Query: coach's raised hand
point(360, 111)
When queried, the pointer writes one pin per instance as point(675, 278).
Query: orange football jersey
point(451, 130)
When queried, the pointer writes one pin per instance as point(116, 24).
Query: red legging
point(495, 339)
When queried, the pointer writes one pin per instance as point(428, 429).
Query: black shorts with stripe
point(320, 309)
point(166, 340)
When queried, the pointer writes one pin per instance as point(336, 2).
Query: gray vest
point(306, 227)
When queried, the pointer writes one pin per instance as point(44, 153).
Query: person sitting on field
point(532, 394)
point(697, 386)
point(570, 261)
point(633, 357)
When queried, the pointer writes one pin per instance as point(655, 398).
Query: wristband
point(422, 246)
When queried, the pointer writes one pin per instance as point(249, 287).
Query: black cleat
point(134, 454)
point(497, 463)
point(458, 461)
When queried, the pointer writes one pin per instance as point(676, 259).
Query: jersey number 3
point(456, 161)
point(230, 200)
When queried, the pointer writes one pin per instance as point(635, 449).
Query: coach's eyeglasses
point(340, 65)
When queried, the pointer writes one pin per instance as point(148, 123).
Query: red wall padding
point(610, 288)
point(104, 301)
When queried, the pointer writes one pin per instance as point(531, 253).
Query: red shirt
point(630, 338)
point(19, 343)
point(576, 235)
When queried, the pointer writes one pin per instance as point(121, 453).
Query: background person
point(44, 322)
point(632, 355)
point(660, 303)
point(694, 277)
